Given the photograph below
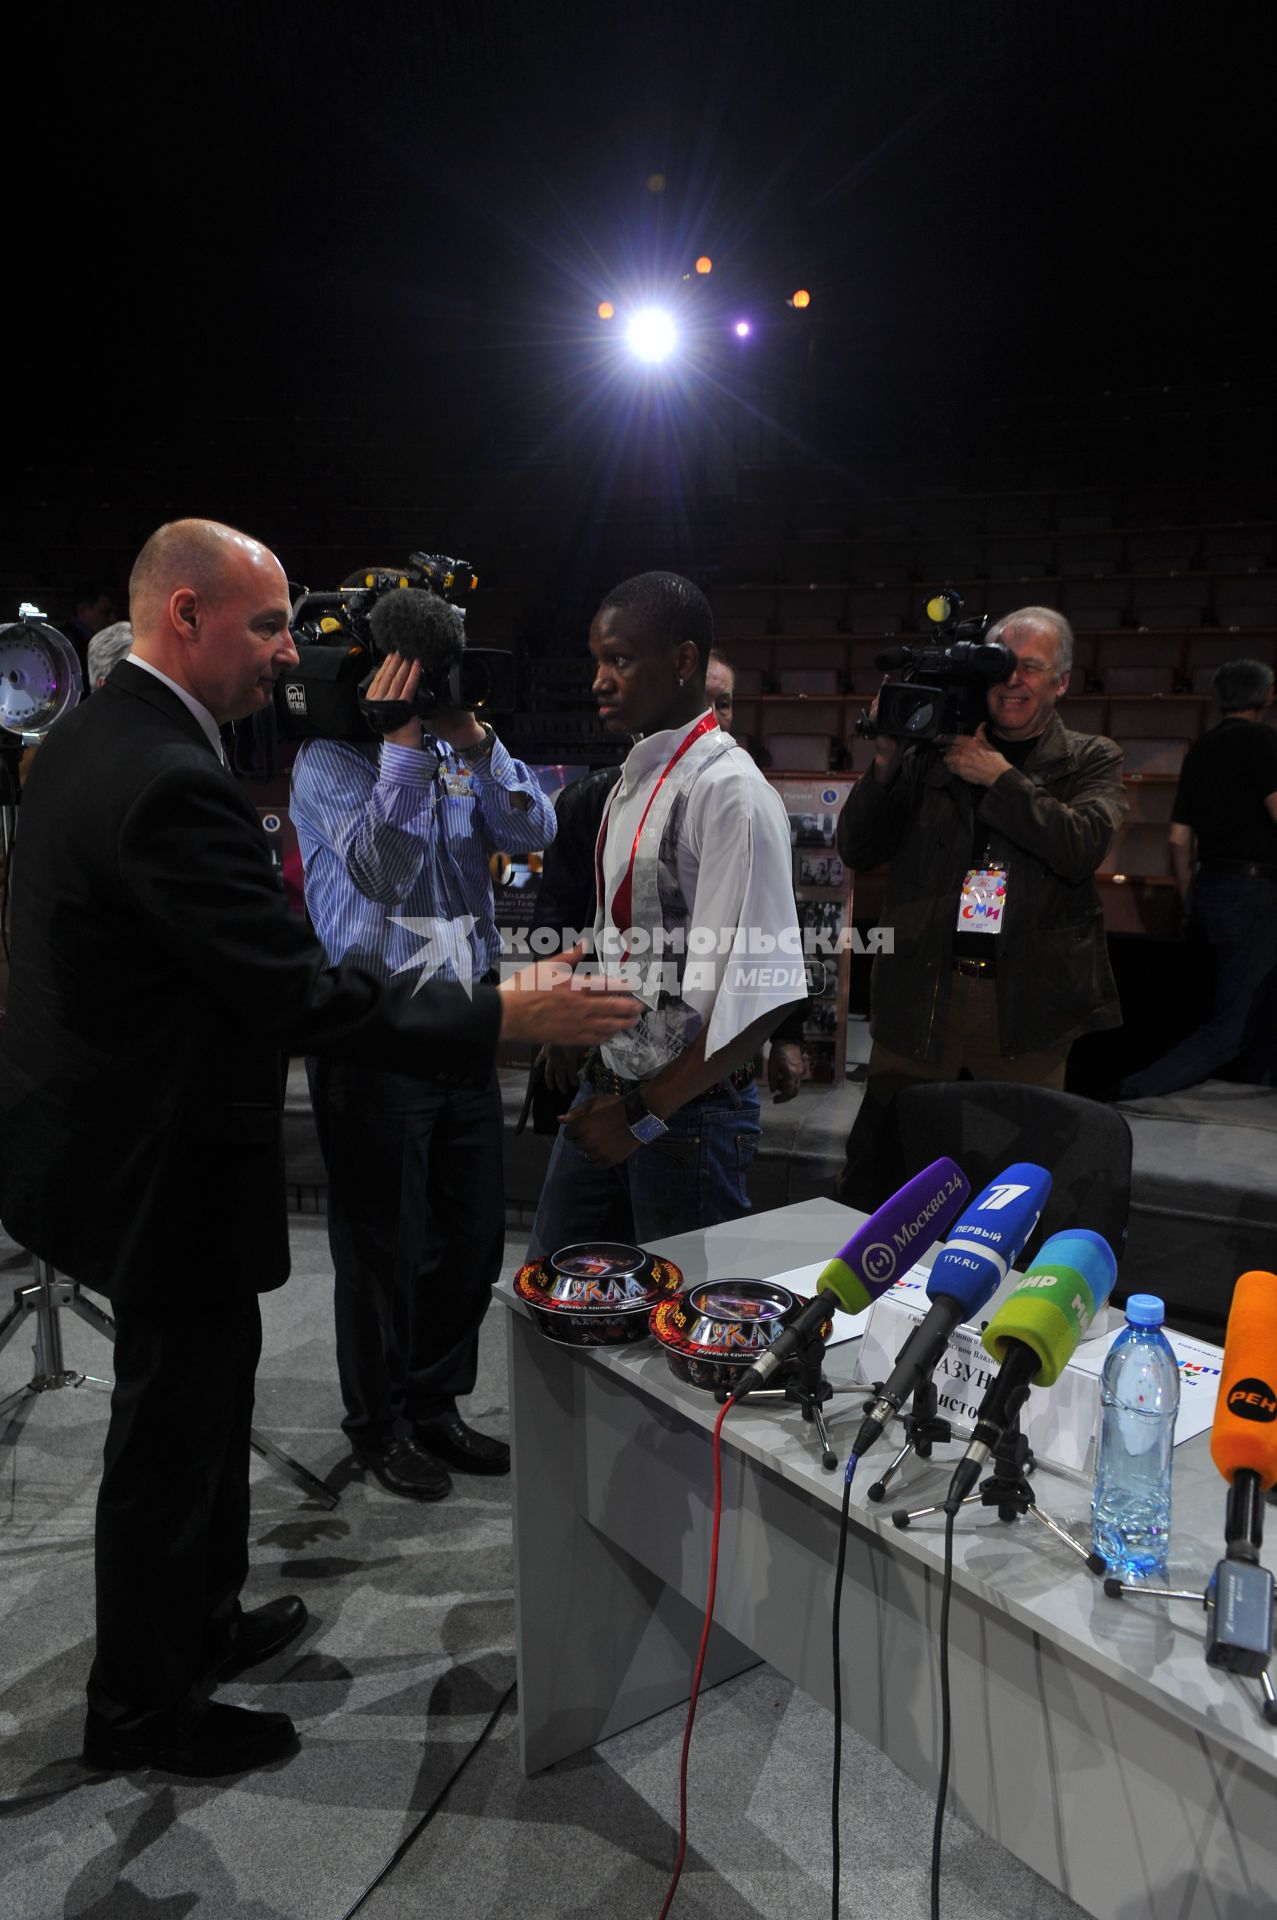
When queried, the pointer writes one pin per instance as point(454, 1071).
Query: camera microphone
point(419, 626)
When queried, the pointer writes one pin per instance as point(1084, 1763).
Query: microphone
point(422, 626)
point(1243, 1445)
point(966, 1273)
point(1032, 1337)
point(875, 1256)
point(418, 625)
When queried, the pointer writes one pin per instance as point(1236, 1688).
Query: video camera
point(343, 636)
point(942, 688)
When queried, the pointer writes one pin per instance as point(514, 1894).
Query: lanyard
point(623, 898)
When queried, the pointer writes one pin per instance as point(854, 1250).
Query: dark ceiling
point(305, 214)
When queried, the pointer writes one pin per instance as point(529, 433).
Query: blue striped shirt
point(390, 833)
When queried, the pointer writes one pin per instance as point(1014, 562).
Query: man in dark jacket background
point(998, 960)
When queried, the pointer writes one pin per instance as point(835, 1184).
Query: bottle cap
point(1145, 1310)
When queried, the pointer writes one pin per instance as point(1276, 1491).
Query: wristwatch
point(643, 1125)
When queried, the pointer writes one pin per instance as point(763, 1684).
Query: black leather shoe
point(260, 1633)
point(403, 1467)
point(203, 1741)
point(461, 1447)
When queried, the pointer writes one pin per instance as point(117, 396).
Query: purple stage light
point(743, 329)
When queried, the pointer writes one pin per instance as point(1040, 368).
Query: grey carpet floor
point(407, 1657)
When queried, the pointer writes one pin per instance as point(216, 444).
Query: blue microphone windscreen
point(987, 1240)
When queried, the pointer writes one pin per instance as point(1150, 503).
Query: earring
point(680, 679)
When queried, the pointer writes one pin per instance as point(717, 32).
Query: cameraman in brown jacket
point(998, 960)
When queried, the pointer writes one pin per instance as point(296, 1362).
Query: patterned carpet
point(407, 1657)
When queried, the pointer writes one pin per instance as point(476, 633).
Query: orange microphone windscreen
point(1245, 1429)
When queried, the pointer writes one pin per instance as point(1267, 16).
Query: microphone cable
point(835, 1841)
point(699, 1668)
point(946, 1720)
point(411, 1838)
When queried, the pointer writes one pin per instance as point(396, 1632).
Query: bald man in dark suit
point(157, 980)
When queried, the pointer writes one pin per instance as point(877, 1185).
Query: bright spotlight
point(704, 264)
point(743, 329)
point(802, 298)
point(606, 310)
point(651, 334)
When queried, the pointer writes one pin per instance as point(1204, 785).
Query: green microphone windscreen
point(1055, 1302)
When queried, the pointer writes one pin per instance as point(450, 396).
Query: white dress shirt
point(731, 853)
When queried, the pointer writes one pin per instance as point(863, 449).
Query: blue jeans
point(1237, 913)
point(695, 1177)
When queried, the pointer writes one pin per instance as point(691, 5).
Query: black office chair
point(985, 1125)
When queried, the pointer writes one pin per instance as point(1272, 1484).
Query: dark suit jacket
point(156, 977)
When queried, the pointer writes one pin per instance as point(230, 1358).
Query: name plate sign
point(1061, 1424)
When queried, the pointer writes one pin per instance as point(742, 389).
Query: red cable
point(699, 1668)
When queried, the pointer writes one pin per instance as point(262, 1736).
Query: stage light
point(606, 310)
point(802, 298)
point(743, 329)
point(704, 264)
point(651, 334)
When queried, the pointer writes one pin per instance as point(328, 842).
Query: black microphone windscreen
point(418, 626)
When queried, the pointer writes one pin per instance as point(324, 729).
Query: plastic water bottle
point(1139, 1392)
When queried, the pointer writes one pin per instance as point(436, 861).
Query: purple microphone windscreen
point(896, 1235)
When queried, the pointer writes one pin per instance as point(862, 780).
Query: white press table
point(1090, 1737)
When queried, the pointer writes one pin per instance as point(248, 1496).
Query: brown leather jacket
point(1050, 824)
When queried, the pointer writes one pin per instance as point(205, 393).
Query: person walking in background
point(1224, 852)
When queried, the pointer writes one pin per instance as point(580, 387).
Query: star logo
point(445, 949)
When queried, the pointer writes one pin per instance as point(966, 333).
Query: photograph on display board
point(820, 870)
point(813, 807)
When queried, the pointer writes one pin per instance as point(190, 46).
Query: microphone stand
point(807, 1388)
point(1009, 1490)
point(1240, 1631)
point(45, 1299)
point(923, 1424)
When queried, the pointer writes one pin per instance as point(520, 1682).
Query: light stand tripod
point(1008, 1489)
point(808, 1389)
point(1238, 1598)
point(44, 1299)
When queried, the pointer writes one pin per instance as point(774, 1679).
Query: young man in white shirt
point(696, 901)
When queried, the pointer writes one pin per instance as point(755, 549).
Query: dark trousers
point(875, 1165)
point(171, 1544)
point(416, 1226)
point(1237, 914)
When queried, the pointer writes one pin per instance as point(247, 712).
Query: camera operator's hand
point(458, 728)
point(548, 1003)
point(561, 1067)
point(398, 679)
point(970, 756)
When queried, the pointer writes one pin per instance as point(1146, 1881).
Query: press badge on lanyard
point(983, 902)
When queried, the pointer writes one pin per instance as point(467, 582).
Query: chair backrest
point(986, 1125)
